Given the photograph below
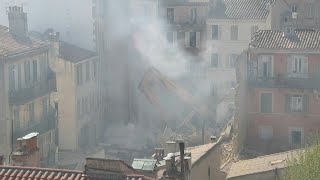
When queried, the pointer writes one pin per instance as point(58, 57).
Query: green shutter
point(266, 102)
point(287, 103)
point(305, 100)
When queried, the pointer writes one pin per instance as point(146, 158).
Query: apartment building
point(282, 99)
point(230, 27)
point(27, 84)
point(291, 14)
point(185, 31)
point(80, 103)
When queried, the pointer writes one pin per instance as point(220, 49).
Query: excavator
point(153, 76)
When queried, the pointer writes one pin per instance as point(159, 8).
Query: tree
point(304, 164)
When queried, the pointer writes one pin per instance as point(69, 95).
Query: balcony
point(285, 82)
point(46, 124)
point(38, 89)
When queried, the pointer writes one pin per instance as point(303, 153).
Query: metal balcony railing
point(38, 89)
point(47, 123)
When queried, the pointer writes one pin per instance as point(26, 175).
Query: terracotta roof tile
point(32, 173)
point(240, 9)
point(300, 39)
point(260, 164)
point(11, 45)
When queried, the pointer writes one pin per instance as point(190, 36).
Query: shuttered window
point(215, 32)
point(298, 66)
point(266, 103)
point(234, 33)
point(296, 103)
point(265, 66)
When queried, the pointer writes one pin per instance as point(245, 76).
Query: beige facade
point(27, 84)
point(79, 100)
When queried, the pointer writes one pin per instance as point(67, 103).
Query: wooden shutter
point(305, 104)
point(187, 39)
point(289, 65)
point(287, 103)
point(198, 40)
point(175, 39)
point(260, 66)
point(305, 65)
point(270, 67)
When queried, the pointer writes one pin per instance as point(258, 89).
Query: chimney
point(18, 24)
point(171, 147)
point(181, 146)
point(27, 151)
point(159, 154)
point(171, 169)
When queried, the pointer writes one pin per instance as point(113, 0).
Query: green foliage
point(305, 164)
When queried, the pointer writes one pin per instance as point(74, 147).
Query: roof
point(197, 152)
point(240, 9)
point(15, 172)
point(29, 136)
point(259, 164)
point(144, 164)
point(70, 52)
point(273, 39)
point(12, 45)
point(183, 2)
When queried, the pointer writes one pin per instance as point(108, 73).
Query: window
point(194, 15)
point(254, 29)
point(35, 70)
point(11, 72)
point(310, 10)
point(214, 60)
point(209, 173)
point(266, 102)
point(193, 39)
point(19, 76)
point(288, 30)
point(87, 71)
point(27, 72)
point(265, 66)
point(215, 32)
point(31, 112)
point(170, 15)
point(297, 103)
point(231, 61)
point(234, 33)
point(95, 69)
point(79, 107)
point(293, 8)
point(79, 74)
point(44, 106)
point(296, 135)
point(16, 117)
point(298, 66)
point(265, 132)
point(170, 37)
